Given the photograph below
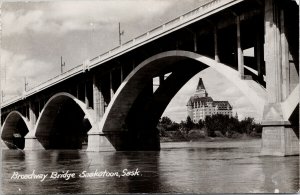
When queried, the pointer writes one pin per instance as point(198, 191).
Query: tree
point(200, 124)
point(189, 124)
point(223, 123)
point(232, 126)
point(219, 122)
point(166, 124)
point(246, 125)
point(210, 126)
point(258, 128)
point(165, 120)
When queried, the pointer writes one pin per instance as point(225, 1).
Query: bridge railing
point(142, 36)
point(205, 8)
point(115, 49)
point(161, 28)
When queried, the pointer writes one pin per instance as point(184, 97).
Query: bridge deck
point(188, 18)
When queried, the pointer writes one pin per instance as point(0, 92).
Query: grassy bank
point(200, 135)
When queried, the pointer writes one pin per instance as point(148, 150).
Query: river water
point(183, 167)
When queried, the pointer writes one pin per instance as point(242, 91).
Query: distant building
point(201, 105)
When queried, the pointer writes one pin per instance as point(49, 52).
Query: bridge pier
point(216, 50)
point(112, 92)
point(98, 142)
point(99, 103)
point(240, 54)
point(279, 136)
point(32, 116)
point(31, 142)
point(258, 52)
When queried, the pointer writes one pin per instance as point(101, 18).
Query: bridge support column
point(86, 99)
point(216, 44)
point(98, 98)
point(112, 93)
point(31, 142)
point(258, 50)
point(278, 137)
point(99, 142)
point(285, 58)
point(32, 116)
point(122, 73)
point(195, 41)
point(239, 48)
point(161, 79)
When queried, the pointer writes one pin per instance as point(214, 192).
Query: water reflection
point(147, 164)
point(177, 168)
point(283, 175)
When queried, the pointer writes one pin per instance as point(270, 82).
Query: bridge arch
point(14, 129)
point(135, 107)
point(63, 122)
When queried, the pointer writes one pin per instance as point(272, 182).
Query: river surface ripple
point(180, 167)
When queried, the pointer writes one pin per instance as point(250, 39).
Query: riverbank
point(200, 136)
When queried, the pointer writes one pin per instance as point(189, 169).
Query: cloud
point(18, 22)
point(241, 101)
point(231, 91)
point(101, 11)
point(15, 67)
point(63, 17)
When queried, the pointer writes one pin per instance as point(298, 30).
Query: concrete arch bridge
point(109, 103)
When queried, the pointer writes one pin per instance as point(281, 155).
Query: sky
point(36, 34)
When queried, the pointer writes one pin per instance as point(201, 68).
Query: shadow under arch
point(63, 123)
point(14, 129)
point(134, 110)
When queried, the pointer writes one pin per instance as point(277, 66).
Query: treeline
point(212, 126)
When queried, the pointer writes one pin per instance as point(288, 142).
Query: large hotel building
point(201, 105)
